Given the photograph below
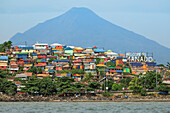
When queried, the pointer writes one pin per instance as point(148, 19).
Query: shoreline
point(104, 99)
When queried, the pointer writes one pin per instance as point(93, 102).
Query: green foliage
point(137, 89)
point(168, 65)
point(110, 64)
point(33, 70)
point(39, 70)
point(106, 94)
point(133, 83)
point(17, 79)
point(21, 69)
point(46, 86)
point(7, 87)
point(94, 85)
point(116, 87)
point(88, 78)
point(5, 45)
point(108, 84)
point(64, 79)
point(43, 86)
point(50, 60)
point(125, 81)
point(143, 92)
point(63, 71)
point(79, 86)
point(163, 88)
point(77, 71)
point(5, 74)
point(149, 80)
point(97, 61)
point(161, 65)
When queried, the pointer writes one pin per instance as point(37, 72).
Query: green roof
point(111, 67)
point(101, 69)
point(21, 53)
point(38, 60)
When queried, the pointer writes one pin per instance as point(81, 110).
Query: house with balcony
point(68, 51)
point(41, 55)
point(90, 67)
point(26, 49)
point(40, 46)
point(21, 55)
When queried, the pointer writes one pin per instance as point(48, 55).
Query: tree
point(4, 45)
point(39, 70)
point(50, 60)
point(88, 78)
point(133, 83)
point(31, 86)
point(97, 61)
point(136, 89)
point(110, 64)
point(7, 87)
point(168, 65)
point(163, 88)
point(77, 71)
point(94, 85)
point(150, 79)
point(46, 87)
point(33, 70)
point(125, 81)
point(108, 84)
point(79, 86)
point(116, 87)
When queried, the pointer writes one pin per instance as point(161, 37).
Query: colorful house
point(26, 49)
point(40, 46)
point(21, 55)
point(68, 50)
point(90, 67)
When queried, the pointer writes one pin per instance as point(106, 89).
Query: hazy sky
point(150, 18)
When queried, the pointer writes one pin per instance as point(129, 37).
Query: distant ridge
point(82, 27)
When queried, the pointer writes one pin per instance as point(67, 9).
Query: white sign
point(140, 57)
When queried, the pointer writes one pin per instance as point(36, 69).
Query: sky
point(150, 18)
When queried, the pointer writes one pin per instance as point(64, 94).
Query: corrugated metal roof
point(4, 58)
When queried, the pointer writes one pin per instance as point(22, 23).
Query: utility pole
point(156, 77)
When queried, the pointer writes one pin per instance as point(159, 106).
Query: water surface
point(85, 107)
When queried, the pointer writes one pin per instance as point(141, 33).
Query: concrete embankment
point(5, 98)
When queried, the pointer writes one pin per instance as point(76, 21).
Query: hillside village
point(57, 61)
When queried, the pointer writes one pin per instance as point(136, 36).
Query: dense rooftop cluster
point(59, 60)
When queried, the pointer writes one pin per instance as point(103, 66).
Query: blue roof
point(136, 64)
point(61, 60)
point(42, 53)
point(34, 54)
point(52, 47)
point(151, 64)
point(99, 50)
point(121, 58)
point(25, 59)
point(25, 48)
point(88, 47)
point(68, 48)
point(119, 71)
point(4, 58)
point(50, 65)
point(68, 74)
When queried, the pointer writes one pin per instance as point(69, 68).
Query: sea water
point(84, 107)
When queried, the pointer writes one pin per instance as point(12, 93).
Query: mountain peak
point(82, 27)
point(80, 10)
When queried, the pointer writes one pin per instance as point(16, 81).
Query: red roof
point(113, 71)
point(118, 67)
point(94, 47)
